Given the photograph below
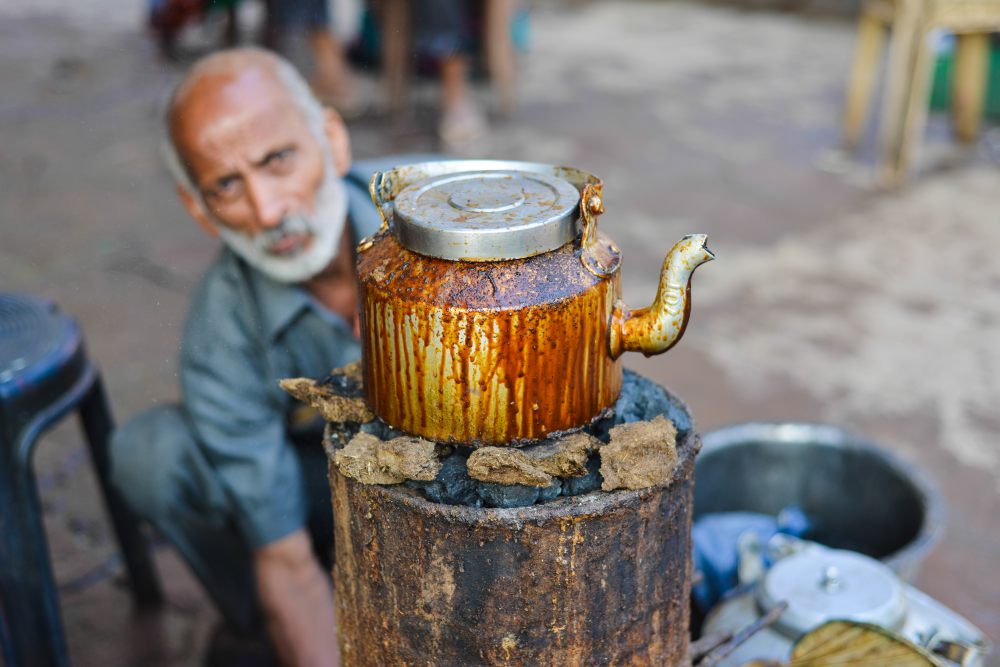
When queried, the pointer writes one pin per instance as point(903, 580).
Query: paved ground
point(829, 301)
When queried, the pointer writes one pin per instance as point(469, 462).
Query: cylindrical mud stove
point(597, 578)
point(459, 349)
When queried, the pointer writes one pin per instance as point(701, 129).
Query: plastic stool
point(44, 374)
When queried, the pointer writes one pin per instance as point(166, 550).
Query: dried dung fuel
point(371, 460)
point(334, 406)
point(504, 465)
point(640, 455)
point(567, 456)
point(533, 466)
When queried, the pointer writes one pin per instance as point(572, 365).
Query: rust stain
point(568, 582)
point(658, 327)
point(457, 351)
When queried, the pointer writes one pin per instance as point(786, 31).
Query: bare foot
point(461, 124)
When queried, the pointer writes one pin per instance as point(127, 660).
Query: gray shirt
point(245, 332)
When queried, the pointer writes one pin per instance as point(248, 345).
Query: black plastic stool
point(44, 374)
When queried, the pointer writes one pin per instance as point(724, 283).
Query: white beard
point(326, 224)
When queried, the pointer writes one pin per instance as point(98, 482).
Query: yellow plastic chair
point(908, 77)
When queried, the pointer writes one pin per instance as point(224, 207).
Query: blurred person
point(332, 80)
point(449, 32)
point(168, 18)
point(225, 476)
point(442, 32)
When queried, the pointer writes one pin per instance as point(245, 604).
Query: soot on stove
point(641, 399)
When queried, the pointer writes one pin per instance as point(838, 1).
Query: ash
point(641, 399)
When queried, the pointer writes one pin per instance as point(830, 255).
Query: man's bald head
point(258, 161)
point(223, 83)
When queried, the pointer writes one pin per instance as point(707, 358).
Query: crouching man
point(231, 477)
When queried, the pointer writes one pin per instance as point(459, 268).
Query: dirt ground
point(829, 300)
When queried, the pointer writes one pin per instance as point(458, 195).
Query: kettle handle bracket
point(380, 189)
point(591, 206)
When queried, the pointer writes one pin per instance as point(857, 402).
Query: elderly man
point(226, 477)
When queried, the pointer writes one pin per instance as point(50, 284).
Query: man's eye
point(280, 159)
point(226, 189)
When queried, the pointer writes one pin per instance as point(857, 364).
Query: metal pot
point(490, 302)
point(820, 585)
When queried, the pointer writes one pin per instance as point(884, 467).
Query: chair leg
point(908, 40)
point(871, 40)
point(31, 630)
point(97, 425)
point(915, 116)
point(969, 88)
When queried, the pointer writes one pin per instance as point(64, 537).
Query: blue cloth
point(312, 14)
point(716, 553)
point(442, 27)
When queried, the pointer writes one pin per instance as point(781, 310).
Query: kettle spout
point(657, 328)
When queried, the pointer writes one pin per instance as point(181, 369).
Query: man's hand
point(297, 600)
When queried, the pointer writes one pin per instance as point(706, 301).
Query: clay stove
point(596, 578)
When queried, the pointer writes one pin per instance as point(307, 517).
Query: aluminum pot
point(490, 302)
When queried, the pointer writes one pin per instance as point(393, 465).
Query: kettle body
point(498, 338)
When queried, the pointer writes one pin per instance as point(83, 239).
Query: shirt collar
point(279, 303)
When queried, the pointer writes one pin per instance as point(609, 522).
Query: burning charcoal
point(575, 486)
point(601, 429)
point(502, 495)
point(639, 400)
point(338, 434)
point(453, 486)
point(346, 381)
point(641, 455)
point(381, 430)
point(552, 491)
point(433, 491)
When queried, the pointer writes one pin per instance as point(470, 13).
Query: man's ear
point(340, 141)
point(196, 209)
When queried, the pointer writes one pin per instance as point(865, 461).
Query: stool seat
point(45, 374)
point(30, 331)
point(41, 350)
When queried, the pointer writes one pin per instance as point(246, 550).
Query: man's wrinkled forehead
point(240, 104)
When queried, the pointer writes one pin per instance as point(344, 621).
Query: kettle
point(490, 303)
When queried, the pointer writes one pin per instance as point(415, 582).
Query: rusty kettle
point(491, 309)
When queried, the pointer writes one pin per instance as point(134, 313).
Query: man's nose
point(269, 206)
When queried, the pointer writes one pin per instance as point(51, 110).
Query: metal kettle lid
point(826, 584)
point(487, 215)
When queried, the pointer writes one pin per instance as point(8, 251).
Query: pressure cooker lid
point(490, 215)
point(825, 584)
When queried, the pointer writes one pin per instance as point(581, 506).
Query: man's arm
point(297, 600)
point(238, 415)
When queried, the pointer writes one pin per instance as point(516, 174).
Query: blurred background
point(833, 299)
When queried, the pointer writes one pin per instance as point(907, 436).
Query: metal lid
point(826, 584)
point(487, 215)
